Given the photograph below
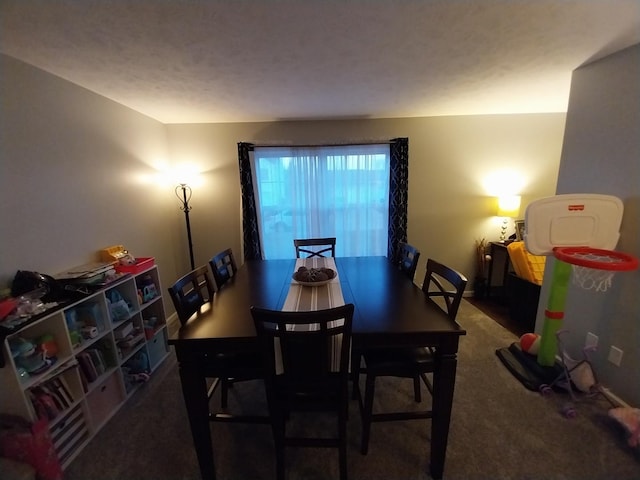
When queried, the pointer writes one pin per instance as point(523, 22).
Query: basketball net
point(592, 279)
point(593, 269)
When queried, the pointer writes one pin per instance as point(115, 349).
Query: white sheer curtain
point(323, 191)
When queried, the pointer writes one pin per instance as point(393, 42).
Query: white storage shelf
point(107, 343)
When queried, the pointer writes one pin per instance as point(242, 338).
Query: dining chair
point(306, 369)
point(190, 293)
point(223, 266)
point(407, 259)
point(315, 247)
point(442, 286)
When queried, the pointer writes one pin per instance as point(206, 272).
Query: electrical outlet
point(591, 341)
point(615, 355)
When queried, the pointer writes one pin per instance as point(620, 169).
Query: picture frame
point(519, 230)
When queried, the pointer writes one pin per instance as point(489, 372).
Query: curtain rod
point(280, 145)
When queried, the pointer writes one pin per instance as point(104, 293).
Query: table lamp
point(508, 207)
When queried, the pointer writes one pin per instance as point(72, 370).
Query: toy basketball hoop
point(594, 268)
point(581, 231)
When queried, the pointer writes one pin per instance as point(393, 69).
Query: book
point(62, 390)
point(83, 379)
point(86, 272)
point(87, 366)
point(97, 360)
point(44, 404)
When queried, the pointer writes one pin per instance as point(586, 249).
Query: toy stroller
point(576, 374)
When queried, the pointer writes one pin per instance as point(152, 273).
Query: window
point(337, 191)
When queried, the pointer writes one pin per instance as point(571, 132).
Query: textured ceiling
point(249, 60)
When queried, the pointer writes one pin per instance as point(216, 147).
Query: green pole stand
point(554, 313)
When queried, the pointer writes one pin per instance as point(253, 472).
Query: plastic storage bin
point(141, 265)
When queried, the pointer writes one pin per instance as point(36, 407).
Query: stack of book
point(91, 275)
point(86, 273)
point(92, 365)
point(50, 398)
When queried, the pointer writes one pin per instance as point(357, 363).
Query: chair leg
point(224, 392)
point(355, 376)
point(416, 389)
point(355, 387)
point(427, 383)
point(369, 390)
point(278, 425)
point(342, 448)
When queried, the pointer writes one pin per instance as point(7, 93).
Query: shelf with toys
point(78, 363)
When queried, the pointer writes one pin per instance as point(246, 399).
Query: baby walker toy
point(576, 375)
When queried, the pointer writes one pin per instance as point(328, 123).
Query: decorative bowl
point(312, 284)
point(313, 277)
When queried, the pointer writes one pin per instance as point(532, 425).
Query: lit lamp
point(183, 192)
point(508, 207)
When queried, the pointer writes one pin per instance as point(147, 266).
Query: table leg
point(444, 378)
point(194, 391)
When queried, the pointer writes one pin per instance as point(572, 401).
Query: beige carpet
point(499, 430)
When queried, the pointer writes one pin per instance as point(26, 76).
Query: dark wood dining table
point(389, 311)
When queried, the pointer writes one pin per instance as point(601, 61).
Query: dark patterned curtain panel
point(251, 236)
point(398, 194)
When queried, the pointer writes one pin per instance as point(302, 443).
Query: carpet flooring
point(499, 430)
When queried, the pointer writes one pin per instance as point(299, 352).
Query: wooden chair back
point(407, 259)
point(223, 266)
point(445, 282)
point(190, 292)
point(313, 345)
point(305, 356)
point(315, 247)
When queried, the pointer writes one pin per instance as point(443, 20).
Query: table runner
point(302, 298)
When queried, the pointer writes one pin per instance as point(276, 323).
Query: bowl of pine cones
point(314, 277)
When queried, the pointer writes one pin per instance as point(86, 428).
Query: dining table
point(390, 311)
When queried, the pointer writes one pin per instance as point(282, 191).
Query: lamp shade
point(509, 206)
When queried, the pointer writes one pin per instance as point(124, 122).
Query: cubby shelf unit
point(108, 344)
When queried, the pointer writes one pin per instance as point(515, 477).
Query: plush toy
point(127, 259)
point(530, 343)
point(629, 418)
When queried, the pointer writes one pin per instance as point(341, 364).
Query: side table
point(498, 269)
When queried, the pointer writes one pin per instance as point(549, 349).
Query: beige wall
point(76, 171)
point(601, 154)
point(449, 161)
point(74, 177)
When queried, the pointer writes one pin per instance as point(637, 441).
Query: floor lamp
point(183, 192)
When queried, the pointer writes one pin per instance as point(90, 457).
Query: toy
point(118, 306)
point(139, 363)
point(149, 291)
point(137, 369)
point(75, 337)
point(29, 357)
point(48, 345)
point(89, 331)
point(576, 375)
point(580, 231)
point(127, 259)
point(530, 343)
point(131, 378)
point(629, 418)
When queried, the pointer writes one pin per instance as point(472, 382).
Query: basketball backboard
point(572, 220)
